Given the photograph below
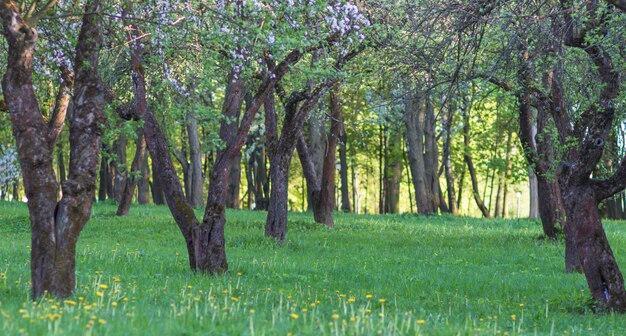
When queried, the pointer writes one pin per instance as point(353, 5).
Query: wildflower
point(368, 296)
point(99, 294)
point(304, 310)
point(22, 311)
point(225, 291)
point(196, 299)
point(335, 316)
point(351, 300)
point(251, 312)
point(70, 302)
point(234, 299)
point(513, 317)
point(420, 322)
point(382, 301)
point(114, 304)
point(103, 286)
point(521, 305)
point(239, 274)
point(294, 316)
point(101, 321)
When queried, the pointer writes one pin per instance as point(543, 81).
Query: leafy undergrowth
point(369, 275)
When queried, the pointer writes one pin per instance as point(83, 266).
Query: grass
point(371, 274)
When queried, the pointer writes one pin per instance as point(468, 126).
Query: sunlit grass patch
point(391, 275)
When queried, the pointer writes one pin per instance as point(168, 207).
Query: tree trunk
point(431, 155)
point(132, 178)
point(158, 197)
point(533, 194)
point(234, 182)
point(447, 164)
point(393, 174)
point(196, 194)
point(55, 225)
point(470, 164)
point(343, 172)
point(584, 226)
point(119, 176)
point(143, 187)
point(414, 120)
point(61, 163)
point(104, 177)
point(324, 205)
point(276, 222)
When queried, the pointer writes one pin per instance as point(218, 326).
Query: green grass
point(435, 276)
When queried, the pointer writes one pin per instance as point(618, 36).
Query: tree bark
point(431, 155)
point(343, 172)
point(234, 181)
point(132, 178)
point(393, 176)
point(104, 177)
point(447, 162)
point(156, 187)
point(55, 225)
point(414, 120)
point(143, 186)
point(196, 182)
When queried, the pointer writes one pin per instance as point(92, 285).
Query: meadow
point(371, 274)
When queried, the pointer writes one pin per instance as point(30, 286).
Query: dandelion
point(521, 305)
point(70, 302)
point(382, 301)
point(101, 321)
point(351, 300)
point(335, 316)
point(304, 310)
point(114, 304)
point(239, 274)
point(513, 317)
point(234, 299)
point(420, 322)
point(99, 294)
point(294, 316)
point(196, 299)
point(251, 312)
point(368, 296)
point(103, 286)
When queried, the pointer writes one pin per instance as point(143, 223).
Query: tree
point(55, 225)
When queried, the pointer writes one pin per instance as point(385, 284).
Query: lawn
point(370, 274)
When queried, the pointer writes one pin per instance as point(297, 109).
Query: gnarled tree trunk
point(55, 225)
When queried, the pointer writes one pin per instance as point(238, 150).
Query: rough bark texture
point(156, 187)
point(581, 195)
point(343, 172)
point(196, 181)
point(143, 186)
point(447, 163)
point(280, 152)
point(414, 118)
point(133, 177)
point(323, 207)
point(55, 225)
point(393, 173)
point(234, 182)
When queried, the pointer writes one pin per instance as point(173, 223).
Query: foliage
point(9, 166)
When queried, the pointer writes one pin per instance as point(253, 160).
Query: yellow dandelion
point(234, 299)
point(196, 299)
point(70, 302)
point(251, 312)
point(335, 316)
point(239, 274)
point(225, 291)
point(304, 310)
point(368, 296)
point(125, 299)
point(101, 321)
point(22, 311)
point(114, 304)
point(342, 296)
point(53, 307)
point(351, 300)
point(382, 301)
point(99, 294)
point(103, 286)
point(513, 317)
point(294, 316)
point(420, 322)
